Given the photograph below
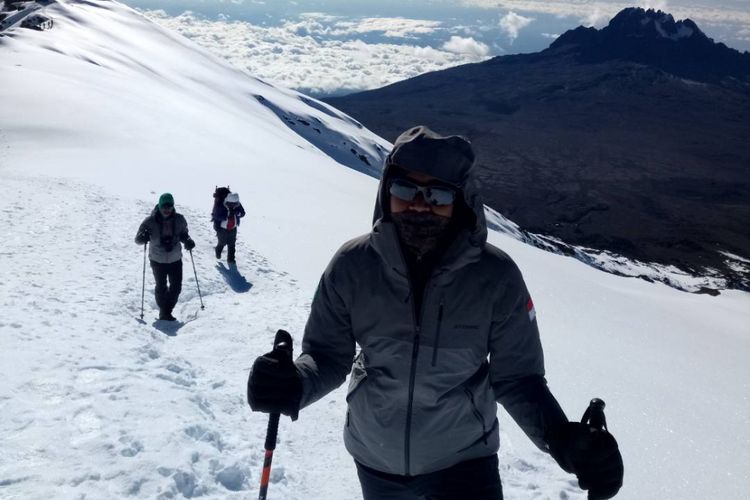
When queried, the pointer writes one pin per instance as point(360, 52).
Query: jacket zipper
point(417, 320)
point(437, 335)
point(410, 404)
point(476, 413)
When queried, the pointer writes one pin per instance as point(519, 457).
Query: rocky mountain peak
point(638, 22)
point(653, 37)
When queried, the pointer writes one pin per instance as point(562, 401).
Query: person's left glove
point(189, 244)
point(592, 455)
point(274, 386)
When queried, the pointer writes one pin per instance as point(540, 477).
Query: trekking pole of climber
point(196, 279)
point(143, 288)
point(283, 344)
point(594, 417)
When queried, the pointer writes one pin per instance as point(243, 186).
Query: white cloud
point(654, 4)
point(320, 16)
point(318, 23)
point(551, 35)
point(468, 46)
point(297, 54)
point(598, 15)
point(394, 27)
point(511, 23)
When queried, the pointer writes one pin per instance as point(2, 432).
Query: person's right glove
point(144, 236)
point(274, 386)
point(590, 454)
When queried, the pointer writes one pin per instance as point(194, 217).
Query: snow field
point(98, 405)
point(101, 405)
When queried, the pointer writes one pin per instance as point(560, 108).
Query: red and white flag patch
point(530, 309)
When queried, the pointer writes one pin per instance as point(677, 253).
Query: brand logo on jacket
point(466, 327)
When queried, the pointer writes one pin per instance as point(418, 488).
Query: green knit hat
point(166, 199)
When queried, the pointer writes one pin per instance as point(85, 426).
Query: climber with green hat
point(166, 231)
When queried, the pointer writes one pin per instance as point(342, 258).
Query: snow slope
point(104, 112)
point(120, 101)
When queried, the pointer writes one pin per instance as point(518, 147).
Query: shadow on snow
point(234, 279)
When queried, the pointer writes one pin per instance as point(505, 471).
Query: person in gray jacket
point(166, 230)
point(446, 329)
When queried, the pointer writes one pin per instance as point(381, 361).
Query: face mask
point(420, 232)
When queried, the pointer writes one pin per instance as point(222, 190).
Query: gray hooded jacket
point(423, 391)
point(166, 236)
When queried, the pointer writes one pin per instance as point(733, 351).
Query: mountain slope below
point(603, 141)
point(106, 78)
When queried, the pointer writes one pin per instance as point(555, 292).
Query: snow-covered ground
point(106, 111)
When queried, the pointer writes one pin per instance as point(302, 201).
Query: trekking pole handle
point(594, 415)
point(272, 432)
point(282, 343)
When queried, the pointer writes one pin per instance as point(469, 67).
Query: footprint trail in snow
point(96, 404)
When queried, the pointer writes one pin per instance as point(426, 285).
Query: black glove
point(189, 244)
point(591, 454)
point(144, 236)
point(274, 386)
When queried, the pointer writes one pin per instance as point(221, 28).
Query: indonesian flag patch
point(530, 309)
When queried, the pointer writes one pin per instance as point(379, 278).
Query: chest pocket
point(459, 325)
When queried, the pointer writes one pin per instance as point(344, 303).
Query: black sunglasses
point(168, 206)
point(407, 190)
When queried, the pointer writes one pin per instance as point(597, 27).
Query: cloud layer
point(322, 54)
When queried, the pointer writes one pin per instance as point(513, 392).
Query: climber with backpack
point(226, 216)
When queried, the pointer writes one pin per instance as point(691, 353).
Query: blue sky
point(338, 46)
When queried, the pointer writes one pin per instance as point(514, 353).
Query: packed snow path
point(96, 404)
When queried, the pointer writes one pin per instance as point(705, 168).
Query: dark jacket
point(423, 391)
point(220, 214)
point(166, 236)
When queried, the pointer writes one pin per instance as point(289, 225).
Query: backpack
point(220, 193)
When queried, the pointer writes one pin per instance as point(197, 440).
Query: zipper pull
point(437, 334)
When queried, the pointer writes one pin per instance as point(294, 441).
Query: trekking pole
point(196, 279)
point(143, 289)
point(282, 344)
point(594, 417)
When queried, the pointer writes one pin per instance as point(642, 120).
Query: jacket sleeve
point(240, 212)
point(144, 226)
point(517, 364)
point(328, 345)
point(184, 235)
